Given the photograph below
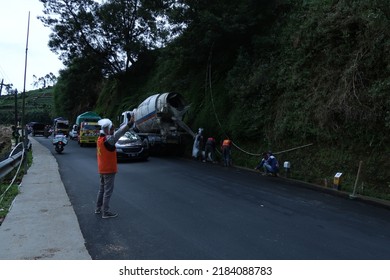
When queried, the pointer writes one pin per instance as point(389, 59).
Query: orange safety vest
point(226, 143)
point(106, 159)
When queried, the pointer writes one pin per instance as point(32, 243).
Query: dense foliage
point(269, 75)
point(111, 33)
point(77, 88)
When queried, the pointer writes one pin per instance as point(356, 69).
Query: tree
point(112, 33)
point(44, 82)
point(77, 88)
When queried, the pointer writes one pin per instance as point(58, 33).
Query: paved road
point(171, 208)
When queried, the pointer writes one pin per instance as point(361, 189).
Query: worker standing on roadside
point(226, 148)
point(107, 163)
point(210, 150)
point(197, 149)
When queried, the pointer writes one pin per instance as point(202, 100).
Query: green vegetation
point(9, 196)
point(270, 75)
point(39, 107)
point(308, 73)
point(8, 192)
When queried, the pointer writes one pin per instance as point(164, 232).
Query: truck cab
point(37, 129)
point(88, 133)
point(61, 126)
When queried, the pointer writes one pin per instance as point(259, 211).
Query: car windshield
point(62, 125)
point(38, 126)
point(91, 127)
point(131, 135)
point(128, 137)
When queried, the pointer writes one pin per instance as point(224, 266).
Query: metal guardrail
point(13, 160)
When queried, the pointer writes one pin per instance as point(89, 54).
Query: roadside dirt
point(5, 139)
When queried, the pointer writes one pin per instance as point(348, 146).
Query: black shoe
point(107, 215)
point(98, 211)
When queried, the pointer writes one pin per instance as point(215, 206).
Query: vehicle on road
point(87, 128)
point(159, 120)
point(87, 117)
point(89, 133)
point(61, 126)
point(59, 142)
point(73, 133)
point(37, 128)
point(131, 147)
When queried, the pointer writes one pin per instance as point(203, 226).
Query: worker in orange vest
point(227, 152)
point(210, 150)
point(107, 163)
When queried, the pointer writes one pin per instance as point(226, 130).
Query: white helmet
point(105, 125)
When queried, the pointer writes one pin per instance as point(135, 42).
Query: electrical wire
point(209, 86)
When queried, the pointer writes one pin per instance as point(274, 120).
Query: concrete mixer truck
point(159, 120)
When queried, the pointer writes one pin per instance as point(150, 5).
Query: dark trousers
point(210, 153)
point(227, 157)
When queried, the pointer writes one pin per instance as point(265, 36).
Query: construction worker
point(226, 148)
point(210, 150)
point(262, 161)
point(197, 148)
point(107, 164)
point(271, 166)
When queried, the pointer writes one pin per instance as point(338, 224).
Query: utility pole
point(24, 132)
point(16, 118)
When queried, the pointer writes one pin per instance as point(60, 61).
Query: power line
point(209, 86)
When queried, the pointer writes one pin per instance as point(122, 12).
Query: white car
point(73, 134)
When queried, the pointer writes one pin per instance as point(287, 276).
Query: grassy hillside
point(310, 76)
point(39, 106)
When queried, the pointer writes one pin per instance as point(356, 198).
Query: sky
point(13, 37)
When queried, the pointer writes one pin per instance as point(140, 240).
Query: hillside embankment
point(5, 140)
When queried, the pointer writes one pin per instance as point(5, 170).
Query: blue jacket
point(273, 162)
